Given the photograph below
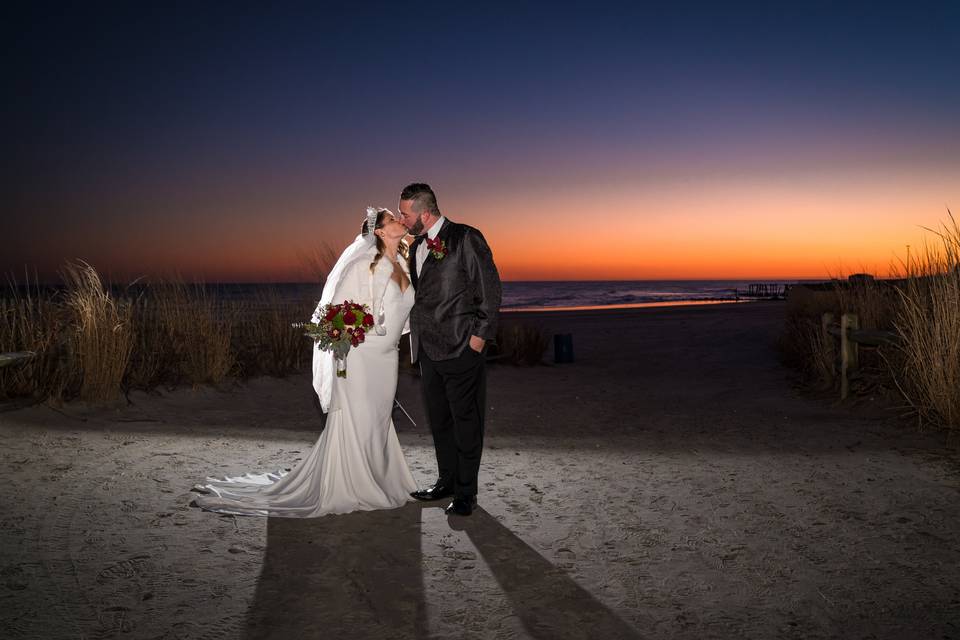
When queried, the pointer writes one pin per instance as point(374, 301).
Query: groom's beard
point(417, 228)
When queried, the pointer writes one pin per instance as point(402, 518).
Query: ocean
point(530, 296)
point(624, 293)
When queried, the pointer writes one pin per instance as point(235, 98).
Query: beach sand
point(672, 482)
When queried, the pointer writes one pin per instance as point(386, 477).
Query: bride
point(357, 463)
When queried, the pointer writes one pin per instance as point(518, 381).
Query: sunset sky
point(599, 141)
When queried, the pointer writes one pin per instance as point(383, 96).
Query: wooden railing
point(851, 338)
point(16, 357)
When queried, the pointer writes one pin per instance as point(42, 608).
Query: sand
point(672, 482)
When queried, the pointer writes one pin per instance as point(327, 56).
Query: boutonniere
point(438, 248)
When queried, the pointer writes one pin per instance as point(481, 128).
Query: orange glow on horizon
point(760, 228)
point(721, 231)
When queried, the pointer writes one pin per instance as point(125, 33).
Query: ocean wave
point(593, 294)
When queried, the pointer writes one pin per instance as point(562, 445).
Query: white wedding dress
point(357, 463)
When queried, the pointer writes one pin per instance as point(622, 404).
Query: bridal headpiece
point(372, 214)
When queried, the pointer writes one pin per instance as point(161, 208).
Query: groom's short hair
point(424, 199)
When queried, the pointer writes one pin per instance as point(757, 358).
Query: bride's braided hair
point(381, 214)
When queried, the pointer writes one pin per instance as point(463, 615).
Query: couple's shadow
point(361, 575)
point(343, 576)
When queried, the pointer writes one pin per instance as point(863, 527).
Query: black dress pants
point(454, 393)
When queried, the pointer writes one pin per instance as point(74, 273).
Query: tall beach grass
point(102, 333)
point(94, 342)
point(197, 336)
point(928, 323)
point(920, 304)
point(34, 320)
point(265, 342)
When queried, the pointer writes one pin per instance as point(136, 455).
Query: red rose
point(349, 317)
point(331, 314)
point(360, 334)
point(354, 341)
point(368, 320)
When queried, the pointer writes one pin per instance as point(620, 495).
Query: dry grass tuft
point(93, 344)
point(874, 302)
point(103, 336)
point(36, 321)
point(194, 330)
point(522, 344)
point(929, 326)
point(266, 342)
point(152, 361)
point(922, 307)
point(803, 346)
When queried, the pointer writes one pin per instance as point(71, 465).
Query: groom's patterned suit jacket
point(456, 296)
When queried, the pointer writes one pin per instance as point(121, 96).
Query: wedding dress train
point(357, 463)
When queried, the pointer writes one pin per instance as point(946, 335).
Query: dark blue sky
point(192, 127)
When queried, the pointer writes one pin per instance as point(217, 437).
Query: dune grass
point(94, 343)
point(101, 331)
point(803, 347)
point(920, 304)
point(874, 302)
point(264, 341)
point(195, 331)
point(34, 320)
point(521, 343)
point(928, 323)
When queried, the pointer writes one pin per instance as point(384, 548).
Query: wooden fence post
point(849, 353)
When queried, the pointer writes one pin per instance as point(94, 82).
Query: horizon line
point(751, 280)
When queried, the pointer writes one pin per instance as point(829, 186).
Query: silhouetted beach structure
point(769, 291)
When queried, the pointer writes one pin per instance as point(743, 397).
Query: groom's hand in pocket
point(476, 343)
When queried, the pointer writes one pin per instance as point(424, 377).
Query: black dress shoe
point(438, 491)
point(461, 506)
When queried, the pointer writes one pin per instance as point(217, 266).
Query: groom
point(454, 316)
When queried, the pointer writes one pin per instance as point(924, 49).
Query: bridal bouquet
point(341, 327)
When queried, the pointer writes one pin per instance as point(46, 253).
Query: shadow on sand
point(361, 575)
point(348, 576)
point(548, 602)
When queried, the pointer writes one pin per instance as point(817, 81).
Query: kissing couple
point(444, 289)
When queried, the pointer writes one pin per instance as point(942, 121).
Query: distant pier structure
point(767, 291)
